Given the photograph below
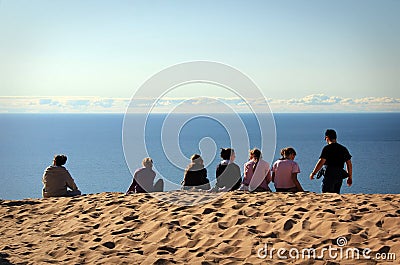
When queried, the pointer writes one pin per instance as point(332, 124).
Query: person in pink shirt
point(257, 174)
point(284, 172)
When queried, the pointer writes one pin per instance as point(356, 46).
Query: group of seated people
point(257, 174)
point(256, 178)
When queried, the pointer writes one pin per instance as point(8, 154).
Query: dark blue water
point(93, 144)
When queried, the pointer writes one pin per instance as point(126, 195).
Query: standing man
point(334, 156)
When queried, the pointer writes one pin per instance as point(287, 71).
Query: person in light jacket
point(57, 181)
point(143, 179)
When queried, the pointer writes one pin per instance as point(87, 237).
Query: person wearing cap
point(334, 156)
point(57, 180)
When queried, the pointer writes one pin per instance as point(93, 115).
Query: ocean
point(93, 144)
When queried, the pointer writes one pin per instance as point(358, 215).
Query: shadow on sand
point(4, 260)
point(18, 203)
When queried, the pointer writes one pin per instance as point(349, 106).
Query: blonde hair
point(147, 162)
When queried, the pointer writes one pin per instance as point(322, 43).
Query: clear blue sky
point(291, 49)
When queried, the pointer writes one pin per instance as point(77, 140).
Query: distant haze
point(338, 55)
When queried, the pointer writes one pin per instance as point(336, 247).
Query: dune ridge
point(231, 228)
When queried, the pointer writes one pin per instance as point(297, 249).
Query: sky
point(92, 56)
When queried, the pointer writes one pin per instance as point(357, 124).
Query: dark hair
point(287, 151)
point(60, 160)
point(196, 159)
point(256, 153)
point(331, 134)
point(226, 153)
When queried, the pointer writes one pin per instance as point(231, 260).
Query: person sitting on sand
point(257, 174)
point(284, 172)
point(195, 175)
point(334, 156)
point(228, 173)
point(56, 180)
point(143, 179)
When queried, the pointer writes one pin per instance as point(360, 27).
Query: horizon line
point(314, 103)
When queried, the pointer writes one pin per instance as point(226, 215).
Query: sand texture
point(113, 228)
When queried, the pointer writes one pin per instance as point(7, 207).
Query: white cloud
point(62, 105)
point(317, 99)
point(311, 103)
point(323, 103)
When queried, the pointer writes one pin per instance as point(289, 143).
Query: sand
point(234, 228)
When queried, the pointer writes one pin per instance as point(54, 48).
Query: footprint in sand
point(130, 218)
point(214, 220)
point(384, 249)
point(306, 225)
point(363, 210)
point(355, 217)
point(72, 248)
point(220, 214)
point(209, 210)
point(122, 231)
point(296, 216)
point(241, 221)
point(238, 206)
point(253, 230)
point(196, 218)
point(355, 230)
point(181, 208)
point(223, 225)
point(329, 211)
point(109, 245)
point(95, 215)
point(168, 249)
point(301, 209)
point(162, 261)
point(288, 224)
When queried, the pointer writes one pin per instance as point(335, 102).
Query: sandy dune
point(233, 228)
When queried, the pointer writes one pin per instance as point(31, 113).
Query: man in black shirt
point(334, 156)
